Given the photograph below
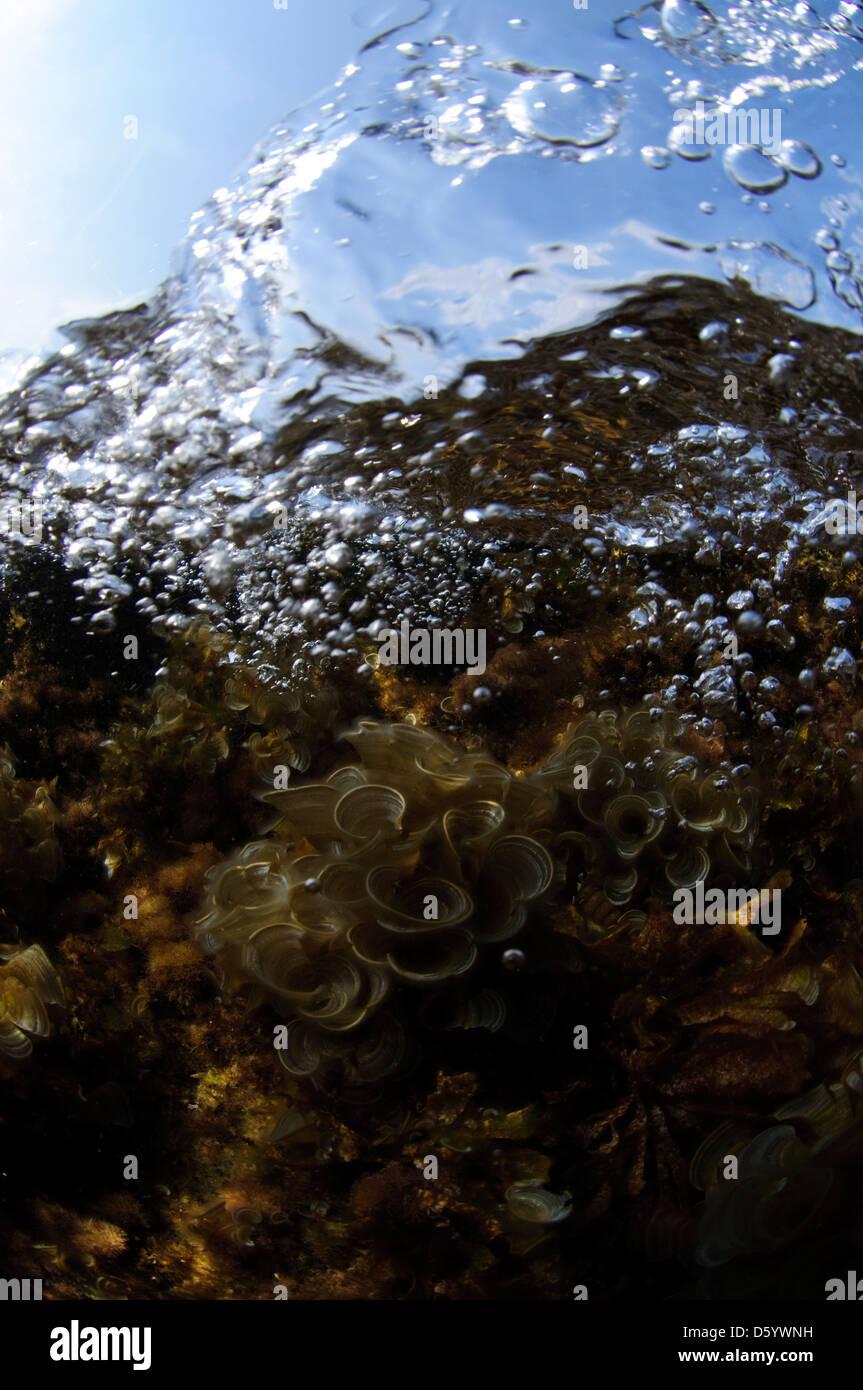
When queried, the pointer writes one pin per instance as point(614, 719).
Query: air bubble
point(770, 271)
point(563, 110)
point(679, 140)
point(513, 960)
point(751, 168)
point(799, 159)
point(655, 156)
point(685, 19)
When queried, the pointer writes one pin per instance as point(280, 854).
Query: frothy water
point(483, 282)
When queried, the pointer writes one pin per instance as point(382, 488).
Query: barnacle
point(530, 1200)
point(785, 1186)
point(408, 881)
point(210, 718)
point(647, 806)
point(28, 845)
point(206, 693)
point(29, 988)
point(386, 887)
point(789, 1176)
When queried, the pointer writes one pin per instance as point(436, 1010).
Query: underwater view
point(431, 745)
